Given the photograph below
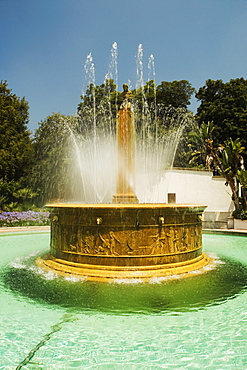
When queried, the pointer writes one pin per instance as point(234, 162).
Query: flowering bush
point(28, 218)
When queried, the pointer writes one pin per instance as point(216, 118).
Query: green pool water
point(48, 322)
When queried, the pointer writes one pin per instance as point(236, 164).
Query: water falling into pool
point(90, 139)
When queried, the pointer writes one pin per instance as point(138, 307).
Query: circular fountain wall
point(106, 242)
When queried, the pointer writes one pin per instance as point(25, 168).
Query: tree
point(16, 150)
point(53, 144)
point(197, 140)
point(226, 105)
point(175, 93)
point(242, 178)
point(151, 104)
point(155, 100)
point(99, 106)
point(226, 160)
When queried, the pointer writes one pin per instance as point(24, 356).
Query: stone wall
point(200, 187)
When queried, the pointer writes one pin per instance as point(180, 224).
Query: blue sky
point(44, 45)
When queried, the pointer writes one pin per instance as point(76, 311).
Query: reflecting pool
point(53, 323)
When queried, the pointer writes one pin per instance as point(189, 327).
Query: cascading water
point(151, 77)
point(95, 149)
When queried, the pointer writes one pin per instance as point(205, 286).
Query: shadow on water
point(225, 282)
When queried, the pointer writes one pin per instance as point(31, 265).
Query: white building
point(193, 186)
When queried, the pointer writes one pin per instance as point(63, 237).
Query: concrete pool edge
point(23, 229)
point(233, 232)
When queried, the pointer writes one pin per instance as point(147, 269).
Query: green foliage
point(152, 101)
point(52, 142)
point(240, 214)
point(13, 196)
point(226, 105)
point(175, 93)
point(99, 105)
point(196, 142)
point(16, 150)
point(105, 98)
point(226, 160)
point(154, 107)
point(231, 156)
point(242, 179)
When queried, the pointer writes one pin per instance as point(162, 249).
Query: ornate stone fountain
point(124, 239)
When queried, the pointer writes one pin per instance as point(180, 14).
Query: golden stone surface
point(125, 152)
point(110, 241)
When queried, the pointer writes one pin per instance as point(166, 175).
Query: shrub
point(240, 214)
point(28, 218)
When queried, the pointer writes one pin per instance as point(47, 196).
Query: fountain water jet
point(125, 240)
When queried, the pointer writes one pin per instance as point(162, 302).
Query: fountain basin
point(104, 242)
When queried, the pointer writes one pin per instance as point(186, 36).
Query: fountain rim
point(127, 205)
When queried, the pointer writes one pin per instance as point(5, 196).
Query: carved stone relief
point(154, 241)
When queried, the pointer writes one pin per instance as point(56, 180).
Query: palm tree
point(242, 178)
point(226, 159)
point(197, 140)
